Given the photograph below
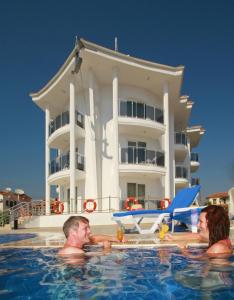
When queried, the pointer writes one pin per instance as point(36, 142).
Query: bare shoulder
point(70, 250)
point(219, 248)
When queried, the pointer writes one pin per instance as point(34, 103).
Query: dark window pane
point(129, 108)
point(150, 112)
point(140, 110)
point(123, 108)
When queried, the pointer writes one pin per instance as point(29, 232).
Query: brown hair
point(218, 223)
point(73, 222)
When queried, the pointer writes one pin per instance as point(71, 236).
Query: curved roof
point(83, 44)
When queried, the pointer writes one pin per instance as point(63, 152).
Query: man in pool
point(214, 228)
point(77, 232)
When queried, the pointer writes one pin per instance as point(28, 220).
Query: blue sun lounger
point(181, 202)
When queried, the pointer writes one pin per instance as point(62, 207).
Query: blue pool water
point(7, 238)
point(121, 274)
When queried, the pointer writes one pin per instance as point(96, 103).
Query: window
point(136, 190)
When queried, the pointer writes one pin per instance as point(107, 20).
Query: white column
point(189, 161)
point(115, 203)
point(47, 161)
point(169, 143)
point(90, 143)
point(72, 148)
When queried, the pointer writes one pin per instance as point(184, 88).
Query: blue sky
point(37, 36)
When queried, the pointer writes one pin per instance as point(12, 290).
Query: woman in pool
point(214, 228)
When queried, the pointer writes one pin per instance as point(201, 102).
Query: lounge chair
point(180, 203)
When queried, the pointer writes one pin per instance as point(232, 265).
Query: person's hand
point(168, 237)
point(106, 245)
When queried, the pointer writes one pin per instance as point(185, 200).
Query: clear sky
point(37, 36)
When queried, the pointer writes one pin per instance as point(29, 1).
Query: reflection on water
point(121, 274)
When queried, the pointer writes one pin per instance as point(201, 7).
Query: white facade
point(116, 126)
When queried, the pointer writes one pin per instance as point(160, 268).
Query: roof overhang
point(148, 75)
point(195, 134)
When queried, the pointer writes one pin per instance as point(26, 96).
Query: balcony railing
point(180, 138)
point(140, 155)
point(134, 109)
point(194, 157)
point(64, 119)
point(195, 181)
point(62, 162)
point(181, 172)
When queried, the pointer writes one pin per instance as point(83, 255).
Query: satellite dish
point(8, 189)
point(19, 192)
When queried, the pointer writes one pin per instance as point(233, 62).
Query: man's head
point(77, 227)
point(214, 223)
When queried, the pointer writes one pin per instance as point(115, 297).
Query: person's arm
point(97, 238)
point(182, 236)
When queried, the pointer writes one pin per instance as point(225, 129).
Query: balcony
point(59, 169)
point(138, 160)
point(180, 146)
point(59, 129)
point(195, 181)
point(181, 179)
point(147, 120)
point(63, 119)
point(194, 162)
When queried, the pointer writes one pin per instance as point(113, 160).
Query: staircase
point(24, 211)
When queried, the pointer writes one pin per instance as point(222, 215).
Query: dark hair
point(73, 222)
point(218, 223)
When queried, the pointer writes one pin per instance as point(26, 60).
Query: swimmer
point(214, 228)
point(77, 232)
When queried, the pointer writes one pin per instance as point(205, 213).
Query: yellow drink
point(120, 234)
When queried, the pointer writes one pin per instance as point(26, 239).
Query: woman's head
point(214, 224)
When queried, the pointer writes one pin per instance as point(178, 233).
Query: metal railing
point(180, 138)
point(140, 110)
point(25, 210)
point(141, 155)
point(194, 157)
point(181, 172)
point(64, 119)
point(62, 162)
point(195, 181)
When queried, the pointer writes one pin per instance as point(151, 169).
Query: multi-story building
point(116, 126)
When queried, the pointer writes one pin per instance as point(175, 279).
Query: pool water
point(7, 238)
point(121, 274)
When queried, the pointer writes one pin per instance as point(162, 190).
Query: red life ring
point(132, 200)
point(57, 207)
point(90, 205)
point(165, 203)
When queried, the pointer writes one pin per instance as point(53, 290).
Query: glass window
point(131, 189)
point(123, 108)
point(65, 118)
point(134, 109)
point(140, 110)
point(129, 108)
point(149, 112)
point(159, 115)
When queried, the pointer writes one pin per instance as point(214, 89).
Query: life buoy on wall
point(129, 200)
point(165, 203)
point(57, 207)
point(90, 205)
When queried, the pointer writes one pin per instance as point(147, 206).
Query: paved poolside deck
point(54, 238)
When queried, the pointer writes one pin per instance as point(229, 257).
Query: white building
point(119, 127)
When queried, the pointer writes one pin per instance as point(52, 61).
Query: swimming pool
point(121, 274)
point(7, 238)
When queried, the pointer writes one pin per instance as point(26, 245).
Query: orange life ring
point(57, 207)
point(132, 200)
point(90, 205)
point(164, 203)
